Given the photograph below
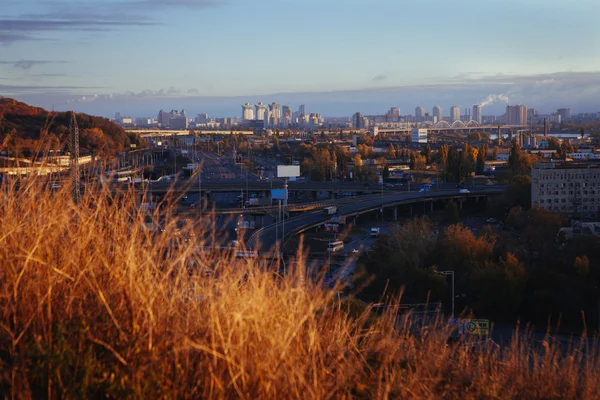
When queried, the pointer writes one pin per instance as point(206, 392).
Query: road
point(265, 239)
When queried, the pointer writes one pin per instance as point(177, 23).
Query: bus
point(335, 246)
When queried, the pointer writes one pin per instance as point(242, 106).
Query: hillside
point(25, 129)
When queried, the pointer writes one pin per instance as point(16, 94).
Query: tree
point(426, 152)
point(480, 164)
point(443, 154)
point(451, 212)
point(495, 153)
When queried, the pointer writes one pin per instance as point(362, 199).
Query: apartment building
point(567, 187)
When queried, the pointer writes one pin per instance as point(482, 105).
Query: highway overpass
point(265, 239)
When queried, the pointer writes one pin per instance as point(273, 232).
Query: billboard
point(474, 326)
point(339, 219)
point(279, 194)
point(332, 228)
point(288, 171)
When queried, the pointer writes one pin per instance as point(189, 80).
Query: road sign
point(474, 326)
point(279, 194)
point(192, 166)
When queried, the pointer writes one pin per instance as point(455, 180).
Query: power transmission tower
point(74, 149)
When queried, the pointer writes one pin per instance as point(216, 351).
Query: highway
point(265, 239)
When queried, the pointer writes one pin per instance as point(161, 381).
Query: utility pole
point(74, 149)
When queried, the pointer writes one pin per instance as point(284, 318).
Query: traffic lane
point(267, 236)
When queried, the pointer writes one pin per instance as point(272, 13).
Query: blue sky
point(136, 56)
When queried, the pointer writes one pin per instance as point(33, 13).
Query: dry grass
point(94, 305)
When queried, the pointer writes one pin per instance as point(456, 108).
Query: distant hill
point(25, 129)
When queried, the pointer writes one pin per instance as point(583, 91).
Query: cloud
point(96, 16)
point(27, 64)
point(379, 78)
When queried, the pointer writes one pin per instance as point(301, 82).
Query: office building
point(393, 114)
point(565, 114)
point(302, 109)
point(437, 114)
point(260, 111)
point(419, 113)
point(247, 112)
point(454, 113)
point(572, 188)
point(477, 113)
point(419, 135)
point(515, 115)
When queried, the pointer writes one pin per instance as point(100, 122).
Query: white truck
point(374, 232)
point(330, 210)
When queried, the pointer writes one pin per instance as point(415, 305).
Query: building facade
point(419, 135)
point(437, 114)
point(260, 111)
point(247, 112)
point(420, 113)
point(571, 188)
point(477, 113)
point(516, 115)
point(455, 113)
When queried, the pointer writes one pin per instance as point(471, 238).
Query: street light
point(449, 273)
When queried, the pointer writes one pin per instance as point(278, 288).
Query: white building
point(247, 112)
point(419, 135)
point(260, 111)
point(455, 113)
point(437, 114)
point(477, 115)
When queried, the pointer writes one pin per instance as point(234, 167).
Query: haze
point(338, 57)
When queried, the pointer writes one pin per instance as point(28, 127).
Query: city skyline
point(100, 55)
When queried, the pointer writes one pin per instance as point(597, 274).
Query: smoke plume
point(492, 98)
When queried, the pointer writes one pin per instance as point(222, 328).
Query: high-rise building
point(419, 135)
point(359, 121)
point(516, 115)
point(565, 113)
point(437, 114)
point(419, 113)
point(178, 120)
point(163, 119)
point(202, 118)
point(247, 112)
point(302, 109)
point(275, 110)
point(477, 113)
point(260, 111)
point(286, 112)
point(455, 113)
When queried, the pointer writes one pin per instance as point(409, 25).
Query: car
point(491, 220)
point(464, 191)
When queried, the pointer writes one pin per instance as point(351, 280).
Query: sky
point(335, 56)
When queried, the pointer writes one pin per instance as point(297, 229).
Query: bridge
point(444, 126)
point(266, 238)
point(150, 133)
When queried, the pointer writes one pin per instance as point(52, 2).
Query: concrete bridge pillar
point(411, 210)
point(314, 195)
point(431, 207)
point(331, 195)
point(460, 204)
point(395, 213)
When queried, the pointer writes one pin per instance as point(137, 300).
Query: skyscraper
point(477, 116)
point(275, 110)
point(437, 114)
point(302, 109)
point(455, 113)
point(247, 111)
point(286, 112)
point(565, 113)
point(516, 115)
point(419, 113)
point(260, 111)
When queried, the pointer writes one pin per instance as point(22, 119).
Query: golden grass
point(92, 304)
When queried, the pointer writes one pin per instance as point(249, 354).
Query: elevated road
point(265, 239)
